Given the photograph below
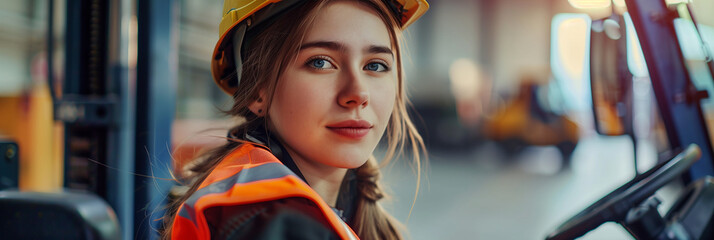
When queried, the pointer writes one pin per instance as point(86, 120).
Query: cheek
point(296, 99)
point(384, 98)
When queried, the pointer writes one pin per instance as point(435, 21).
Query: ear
point(258, 106)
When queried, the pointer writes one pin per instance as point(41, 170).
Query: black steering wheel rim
point(615, 205)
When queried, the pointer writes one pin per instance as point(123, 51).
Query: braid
point(370, 220)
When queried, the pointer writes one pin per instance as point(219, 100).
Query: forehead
point(350, 22)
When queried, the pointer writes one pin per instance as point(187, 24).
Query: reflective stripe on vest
point(248, 175)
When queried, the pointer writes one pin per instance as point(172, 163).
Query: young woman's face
point(332, 105)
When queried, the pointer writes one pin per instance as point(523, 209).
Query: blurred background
point(519, 102)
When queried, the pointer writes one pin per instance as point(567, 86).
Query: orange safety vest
point(247, 175)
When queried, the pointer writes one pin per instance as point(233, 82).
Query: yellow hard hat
point(240, 15)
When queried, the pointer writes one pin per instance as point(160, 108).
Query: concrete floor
point(483, 194)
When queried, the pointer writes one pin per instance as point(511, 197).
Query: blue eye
point(376, 67)
point(319, 63)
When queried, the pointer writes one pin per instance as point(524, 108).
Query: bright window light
point(570, 58)
point(635, 58)
point(671, 2)
point(465, 81)
point(619, 3)
point(589, 4)
point(619, 6)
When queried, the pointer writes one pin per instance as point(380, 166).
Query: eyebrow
point(335, 46)
point(324, 44)
point(379, 49)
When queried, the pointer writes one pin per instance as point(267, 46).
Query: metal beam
point(156, 99)
point(676, 95)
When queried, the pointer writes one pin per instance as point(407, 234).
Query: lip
point(353, 129)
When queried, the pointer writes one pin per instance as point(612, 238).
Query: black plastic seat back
point(64, 215)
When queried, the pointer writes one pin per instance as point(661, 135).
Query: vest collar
point(345, 206)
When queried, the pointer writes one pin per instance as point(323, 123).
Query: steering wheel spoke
point(616, 204)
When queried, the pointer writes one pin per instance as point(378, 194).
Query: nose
point(353, 92)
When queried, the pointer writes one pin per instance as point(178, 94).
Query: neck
point(325, 180)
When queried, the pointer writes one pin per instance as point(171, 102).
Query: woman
point(318, 82)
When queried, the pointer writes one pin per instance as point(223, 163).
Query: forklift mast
point(117, 105)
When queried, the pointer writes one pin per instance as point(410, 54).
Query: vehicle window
point(697, 43)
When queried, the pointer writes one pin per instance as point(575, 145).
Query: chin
point(347, 156)
point(357, 160)
point(356, 164)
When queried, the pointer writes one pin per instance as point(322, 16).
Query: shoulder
point(248, 153)
point(288, 218)
point(247, 175)
point(251, 195)
point(243, 160)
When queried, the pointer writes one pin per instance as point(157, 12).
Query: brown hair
point(265, 60)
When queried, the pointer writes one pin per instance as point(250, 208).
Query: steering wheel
point(615, 205)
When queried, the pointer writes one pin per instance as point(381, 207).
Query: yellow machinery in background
point(27, 120)
point(523, 122)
